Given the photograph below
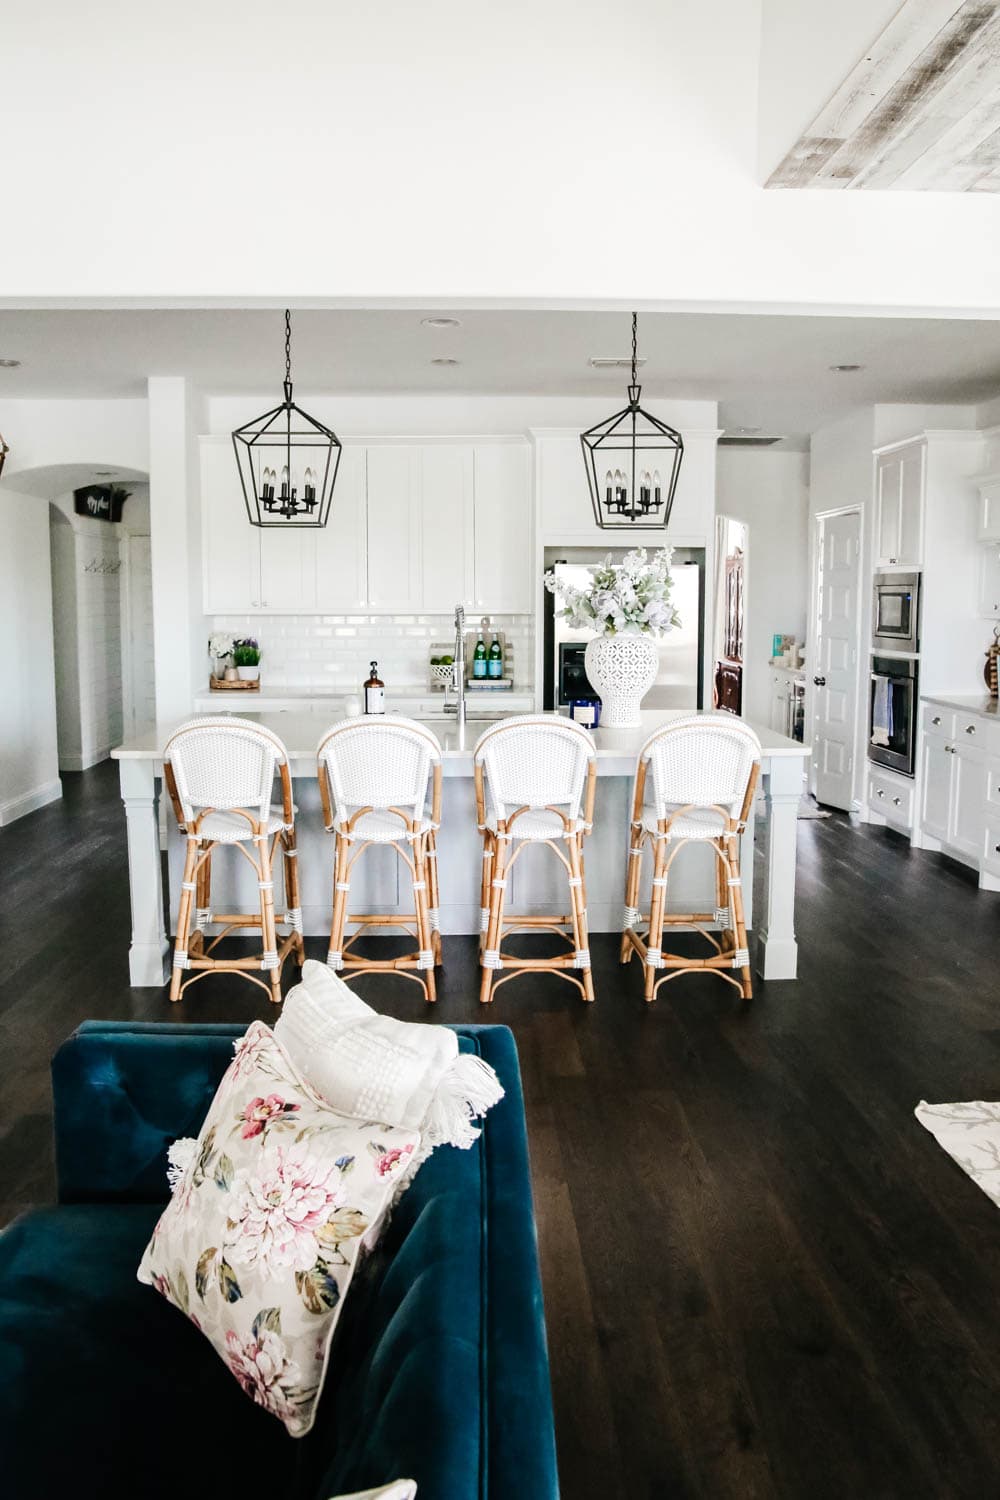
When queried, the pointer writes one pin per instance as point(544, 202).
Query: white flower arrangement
point(221, 645)
point(627, 598)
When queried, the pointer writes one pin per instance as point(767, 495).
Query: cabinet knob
point(896, 801)
point(949, 749)
point(936, 719)
point(970, 728)
point(819, 682)
point(880, 792)
point(892, 559)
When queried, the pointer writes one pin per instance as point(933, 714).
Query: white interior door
point(138, 680)
point(835, 659)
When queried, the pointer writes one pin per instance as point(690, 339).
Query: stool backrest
point(535, 760)
point(705, 761)
point(381, 761)
point(224, 763)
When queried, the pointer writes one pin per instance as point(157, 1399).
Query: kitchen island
point(537, 884)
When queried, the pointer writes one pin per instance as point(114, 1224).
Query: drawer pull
point(936, 719)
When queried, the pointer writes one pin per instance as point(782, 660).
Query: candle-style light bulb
point(609, 489)
point(657, 496)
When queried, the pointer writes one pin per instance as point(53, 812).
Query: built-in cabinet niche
point(412, 527)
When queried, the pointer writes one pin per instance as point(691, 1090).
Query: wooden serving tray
point(219, 685)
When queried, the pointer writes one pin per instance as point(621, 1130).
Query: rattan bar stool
point(704, 775)
point(219, 773)
point(535, 778)
point(374, 777)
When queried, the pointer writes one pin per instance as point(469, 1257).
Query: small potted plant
point(220, 650)
point(246, 659)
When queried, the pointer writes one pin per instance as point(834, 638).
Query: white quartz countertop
point(965, 703)
point(616, 748)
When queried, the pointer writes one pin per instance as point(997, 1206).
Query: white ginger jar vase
point(622, 669)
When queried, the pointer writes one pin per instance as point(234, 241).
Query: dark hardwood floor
point(762, 1277)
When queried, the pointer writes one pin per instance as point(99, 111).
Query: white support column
point(777, 950)
point(147, 960)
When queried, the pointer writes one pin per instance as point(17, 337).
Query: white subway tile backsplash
point(334, 651)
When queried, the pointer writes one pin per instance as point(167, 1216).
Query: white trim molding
point(29, 802)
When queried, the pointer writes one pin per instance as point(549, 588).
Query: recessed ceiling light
point(9, 364)
point(845, 369)
point(445, 361)
point(104, 473)
point(440, 322)
point(746, 431)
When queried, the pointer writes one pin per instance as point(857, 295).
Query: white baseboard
point(83, 762)
point(28, 802)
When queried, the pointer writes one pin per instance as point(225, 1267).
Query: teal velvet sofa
point(439, 1371)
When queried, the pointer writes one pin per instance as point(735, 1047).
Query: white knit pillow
point(373, 1067)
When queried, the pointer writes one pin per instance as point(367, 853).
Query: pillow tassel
point(179, 1158)
point(468, 1088)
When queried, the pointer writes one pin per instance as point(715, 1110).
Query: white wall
point(43, 435)
point(441, 151)
point(29, 772)
point(769, 492)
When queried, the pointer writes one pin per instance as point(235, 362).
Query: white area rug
point(970, 1133)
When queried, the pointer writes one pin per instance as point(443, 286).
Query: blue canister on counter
point(586, 711)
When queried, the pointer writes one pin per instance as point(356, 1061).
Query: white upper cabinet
point(287, 568)
point(340, 545)
point(394, 528)
point(503, 528)
point(899, 506)
point(447, 527)
point(989, 582)
point(988, 521)
point(411, 528)
point(230, 545)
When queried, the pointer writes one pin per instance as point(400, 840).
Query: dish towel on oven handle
point(882, 710)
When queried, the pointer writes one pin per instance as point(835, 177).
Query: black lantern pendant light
point(632, 462)
point(287, 461)
point(4, 450)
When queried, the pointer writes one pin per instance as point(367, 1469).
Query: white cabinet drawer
point(890, 798)
point(938, 720)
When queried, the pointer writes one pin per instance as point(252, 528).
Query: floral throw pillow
point(262, 1233)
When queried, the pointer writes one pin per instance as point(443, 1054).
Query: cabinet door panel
point(911, 507)
point(887, 542)
point(230, 545)
point(393, 528)
point(288, 568)
point(936, 798)
point(968, 802)
point(503, 527)
point(341, 561)
point(989, 582)
point(447, 529)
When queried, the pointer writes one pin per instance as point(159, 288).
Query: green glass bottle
point(479, 659)
point(494, 665)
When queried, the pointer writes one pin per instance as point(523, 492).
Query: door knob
point(819, 682)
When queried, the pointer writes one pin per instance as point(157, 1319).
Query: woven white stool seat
point(378, 827)
point(535, 777)
point(694, 783)
point(219, 772)
point(375, 776)
point(231, 828)
point(686, 823)
point(536, 825)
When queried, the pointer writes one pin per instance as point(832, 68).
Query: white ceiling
point(767, 371)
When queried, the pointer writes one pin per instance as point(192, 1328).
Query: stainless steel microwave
point(896, 612)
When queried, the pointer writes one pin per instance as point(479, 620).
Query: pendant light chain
point(635, 344)
point(288, 353)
